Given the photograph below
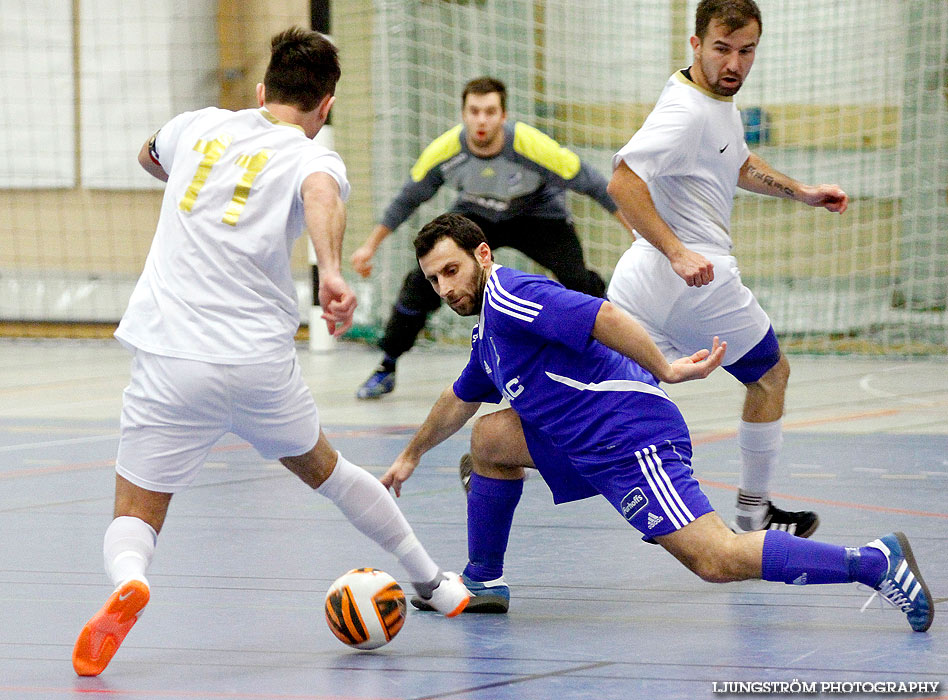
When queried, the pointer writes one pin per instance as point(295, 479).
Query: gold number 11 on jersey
point(213, 150)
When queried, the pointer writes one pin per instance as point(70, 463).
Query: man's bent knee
point(315, 466)
point(775, 379)
point(709, 549)
point(498, 448)
point(137, 502)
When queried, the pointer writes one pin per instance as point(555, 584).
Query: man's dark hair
point(733, 14)
point(484, 85)
point(304, 68)
point(459, 229)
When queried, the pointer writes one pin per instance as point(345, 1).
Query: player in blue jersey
point(587, 411)
point(511, 179)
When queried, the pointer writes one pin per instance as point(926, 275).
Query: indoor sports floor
point(248, 552)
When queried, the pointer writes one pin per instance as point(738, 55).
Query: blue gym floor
point(247, 554)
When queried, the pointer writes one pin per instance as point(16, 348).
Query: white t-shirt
point(217, 284)
point(689, 152)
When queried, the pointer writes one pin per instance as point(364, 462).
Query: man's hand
point(699, 365)
point(398, 473)
point(337, 301)
point(829, 197)
point(695, 269)
point(362, 259)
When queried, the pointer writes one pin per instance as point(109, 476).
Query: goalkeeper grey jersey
point(529, 177)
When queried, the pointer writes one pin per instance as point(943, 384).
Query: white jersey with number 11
point(217, 284)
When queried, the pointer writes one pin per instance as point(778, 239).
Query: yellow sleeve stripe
point(533, 144)
point(441, 149)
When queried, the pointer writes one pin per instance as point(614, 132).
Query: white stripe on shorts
point(651, 466)
point(671, 488)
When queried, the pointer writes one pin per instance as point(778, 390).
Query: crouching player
point(586, 410)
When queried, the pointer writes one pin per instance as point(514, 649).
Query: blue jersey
point(533, 346)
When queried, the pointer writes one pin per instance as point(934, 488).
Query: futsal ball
point(365, 608)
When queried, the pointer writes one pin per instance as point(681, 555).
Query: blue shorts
point(652, 487)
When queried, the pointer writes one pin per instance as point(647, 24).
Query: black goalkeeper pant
point(552, 243)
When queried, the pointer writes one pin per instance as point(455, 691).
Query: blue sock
point(799, 561)
point(490, 509)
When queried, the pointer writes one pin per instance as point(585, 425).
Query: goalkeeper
point(511, 181)
point(675, 181)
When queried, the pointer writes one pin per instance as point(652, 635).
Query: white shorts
point(175, 410)
point(683, 319)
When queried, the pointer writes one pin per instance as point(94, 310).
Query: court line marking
point(59, 468)
point(517, 679)
point(701, 440)
point(865, 383)
point(792, 425)
point(828, 502)
point(98, 464)
point(54, 443)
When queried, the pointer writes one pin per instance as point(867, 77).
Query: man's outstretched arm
point(447, 416)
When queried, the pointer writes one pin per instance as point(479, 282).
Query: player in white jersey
point(211, 325)
point(675, 182)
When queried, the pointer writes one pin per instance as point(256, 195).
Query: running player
point(211, 326)
point(675, 182)
point(511, 181)
point(586, 410)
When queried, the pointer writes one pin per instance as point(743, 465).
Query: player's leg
point(666, 504)
point(502, 447)
point(497, 459)
point(757, 362)
point(166, 411)
point(416, 301)
point(370, 508)
point(711, 550)
point(275, 412)
point(554, 244)
point(499, 455)
point(764, 371)
point(128, 547)
point(684, 320)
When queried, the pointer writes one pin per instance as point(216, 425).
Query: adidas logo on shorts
point(654, 520)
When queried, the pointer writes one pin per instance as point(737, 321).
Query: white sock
point(760, 452)
point(128, 548)
point(371, 509)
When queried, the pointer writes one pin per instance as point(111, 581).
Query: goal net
point(853, 92)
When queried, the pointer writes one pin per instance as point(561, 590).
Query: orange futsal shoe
point(105, 632)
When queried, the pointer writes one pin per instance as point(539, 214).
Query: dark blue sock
point(490, 509)
point(799, 561)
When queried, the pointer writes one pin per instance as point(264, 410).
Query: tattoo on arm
point(769, 181)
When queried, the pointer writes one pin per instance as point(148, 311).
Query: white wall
point(142, 62)
point(37, 127)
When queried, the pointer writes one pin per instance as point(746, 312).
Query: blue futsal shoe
point(902, 584)
point(491, 597)
point(381, 382)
